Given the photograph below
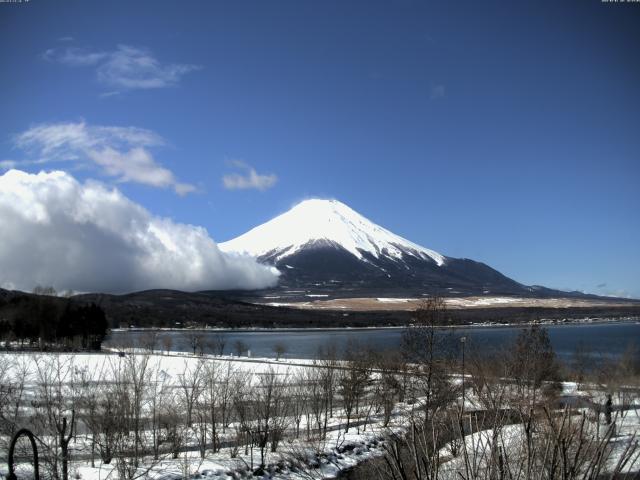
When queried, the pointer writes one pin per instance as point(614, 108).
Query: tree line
point(45, 321)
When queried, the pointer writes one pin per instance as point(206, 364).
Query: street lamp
point(463, 341)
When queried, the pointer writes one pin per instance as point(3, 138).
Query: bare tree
point(231, 380)
point(327, 359)
point(242, 391)
point(158, 391)
point(148, 341)
point(172, 424)
point(191, 387)
point(298, 398)
point(100, 411)
point(388, 388)
point(131, 376)
point(240, 347)
point(55, 416)
point(279, 349)
point(14, 375)
point(196, 341)
point(353, 379)
point(271, 412)
point(94, 399)
point(167, 343)
point(533, 364)
point(317, 400)
point(218, 342)
point(427, 347)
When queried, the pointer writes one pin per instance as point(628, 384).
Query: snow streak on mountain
point(319, 221)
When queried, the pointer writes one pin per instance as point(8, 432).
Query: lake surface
point(608, 340)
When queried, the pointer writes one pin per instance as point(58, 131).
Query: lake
point(600, 340)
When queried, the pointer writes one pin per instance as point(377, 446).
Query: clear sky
point(506, 132)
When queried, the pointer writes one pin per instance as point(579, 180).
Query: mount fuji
point(324, 246)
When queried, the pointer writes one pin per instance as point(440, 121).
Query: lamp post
point(463, 341)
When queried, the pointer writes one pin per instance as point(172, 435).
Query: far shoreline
point(550, 323)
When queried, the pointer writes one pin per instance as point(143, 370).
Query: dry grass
point(453, 303)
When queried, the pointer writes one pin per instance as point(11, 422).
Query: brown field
point(454, 303)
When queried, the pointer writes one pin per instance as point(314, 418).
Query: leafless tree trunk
point(211, 401)
point(157, 399)
point(131, 376)
point(55, 411)
point(425, 346)
point(297, 393)
point(240, 347)
point(317, 400)
point(167, 342)
point(391, 372)
point(218, 343)
point(14, 374)
point(191, 387)
point(279, 349)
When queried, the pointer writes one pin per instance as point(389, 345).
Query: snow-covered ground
point(296, 458)
point(305, 457)
point(293, 460)
point(478, 446)
point(96, 365)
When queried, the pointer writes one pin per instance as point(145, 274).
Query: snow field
point(296, 458)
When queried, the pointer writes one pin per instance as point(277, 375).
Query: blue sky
point(506, 132)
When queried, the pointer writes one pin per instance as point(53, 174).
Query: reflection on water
point(609, 340)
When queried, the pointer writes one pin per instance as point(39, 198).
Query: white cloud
point(120, 152)
point(87, 237)
point(250, 179)
point(607, 291)
point(126, 67)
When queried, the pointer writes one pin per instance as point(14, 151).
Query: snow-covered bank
point(302, 455)
point(178, 392)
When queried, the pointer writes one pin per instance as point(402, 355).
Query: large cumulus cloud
point(87, 237)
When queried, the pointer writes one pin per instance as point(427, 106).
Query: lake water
point(608, 340)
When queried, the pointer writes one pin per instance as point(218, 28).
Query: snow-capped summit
point(325, 246)
point(319, 221)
